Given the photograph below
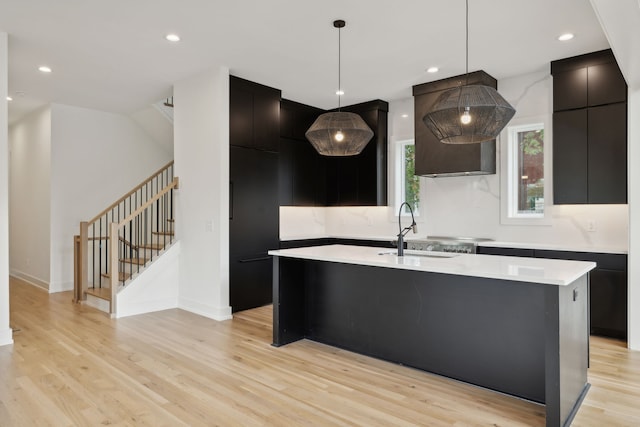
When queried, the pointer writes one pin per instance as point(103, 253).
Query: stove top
point(465, 245)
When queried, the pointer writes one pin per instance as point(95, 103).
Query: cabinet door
point(266, 118)
point(607, 174)
point(570, 160)
point(608, 307)
point(570, 89)
point(240, 113)
point(253, 227)
point(606, 84)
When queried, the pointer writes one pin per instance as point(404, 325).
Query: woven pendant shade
point(355, 134)
point(487, 114)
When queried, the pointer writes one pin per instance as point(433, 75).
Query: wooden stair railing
point(144, 219)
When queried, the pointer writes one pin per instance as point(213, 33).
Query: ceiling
point(112, 55)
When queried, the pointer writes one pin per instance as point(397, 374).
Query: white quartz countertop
point(533, 270)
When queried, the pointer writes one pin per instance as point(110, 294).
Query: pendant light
point(339, 133)
point(470, 113)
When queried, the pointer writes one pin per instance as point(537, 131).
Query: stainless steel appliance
point(463, 245)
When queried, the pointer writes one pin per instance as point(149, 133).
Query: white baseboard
point(6, 337)
point(206, 310)
point(34, 281)
point(55, 287)
point(97, 303)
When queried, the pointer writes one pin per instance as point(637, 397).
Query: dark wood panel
point(607, 171)
point(570, 89)
point(606, 84)
point(609, 303)
point(570, 161)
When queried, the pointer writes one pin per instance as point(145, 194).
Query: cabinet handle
point(230, 200)
point(264, 258)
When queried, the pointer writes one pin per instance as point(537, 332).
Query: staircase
point(119, 243)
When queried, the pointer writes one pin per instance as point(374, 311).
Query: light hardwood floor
point(73, 365)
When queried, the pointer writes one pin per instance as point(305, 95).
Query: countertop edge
point(369, 258)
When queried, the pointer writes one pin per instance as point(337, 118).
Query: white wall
point(201, 154)
point(30, 197)
point(5, 330)
point(96, 157)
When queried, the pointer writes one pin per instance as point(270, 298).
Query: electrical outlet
point(208, 225)
point(591, 225)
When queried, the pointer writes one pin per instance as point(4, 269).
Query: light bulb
point(339, 136)
point(466, 117)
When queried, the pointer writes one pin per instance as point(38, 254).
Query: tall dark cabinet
point(589, 130)
point(254, 131)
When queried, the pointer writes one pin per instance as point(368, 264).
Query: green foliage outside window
point(411, 181)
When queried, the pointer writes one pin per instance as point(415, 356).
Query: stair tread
point(152, 246)
point(102, 293)
point(163, 233)
point(138, 261)
point(122, 276)
point(171, 220)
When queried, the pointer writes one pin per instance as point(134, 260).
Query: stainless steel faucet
point(404, 231)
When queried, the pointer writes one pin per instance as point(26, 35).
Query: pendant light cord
point(467, 44)
point(339, 64)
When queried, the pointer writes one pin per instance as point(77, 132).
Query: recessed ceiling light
point(339, 92)
point(9, 98)
point(565, 37)
point(432, 70)
point(44, 69)
point(404, 116)
point(172, 37)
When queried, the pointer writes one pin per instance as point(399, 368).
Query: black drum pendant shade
point(339, 133)
point(468, 114)
point(486, 112)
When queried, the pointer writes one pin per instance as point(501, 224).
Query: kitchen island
point(515, 325)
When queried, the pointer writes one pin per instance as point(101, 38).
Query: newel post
point(114, 264)
point(83, 261)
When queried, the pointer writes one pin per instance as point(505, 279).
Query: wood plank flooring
point(72, 365)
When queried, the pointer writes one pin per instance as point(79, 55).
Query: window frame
point(509, 187)
point(399, 178)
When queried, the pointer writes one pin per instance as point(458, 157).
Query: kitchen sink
point(422, 254)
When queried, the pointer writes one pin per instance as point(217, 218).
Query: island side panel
point(288, 300)
point(567, 350)
point(482, 331)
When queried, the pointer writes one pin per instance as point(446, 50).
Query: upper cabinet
point(309, 179)
point(589, 130)
point(302, 169)
point(362, 180)
point(433, 158)
point(254, 115)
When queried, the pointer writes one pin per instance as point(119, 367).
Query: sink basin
point(422, 254)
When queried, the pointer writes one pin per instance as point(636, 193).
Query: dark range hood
point(435, 159)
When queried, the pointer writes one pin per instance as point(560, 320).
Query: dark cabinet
point(362, 180)
point(570, 157)
point(607, 153)
point(609, 303)
point(607, 284)
point(589, 130)
point(309, 179)
point(254, 134)
point(302, 169)
point(433, 158)
point(253, 226)
point(254, 115)
point(486, 250)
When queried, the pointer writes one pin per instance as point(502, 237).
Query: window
point(407, 183)
point(526, 174)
